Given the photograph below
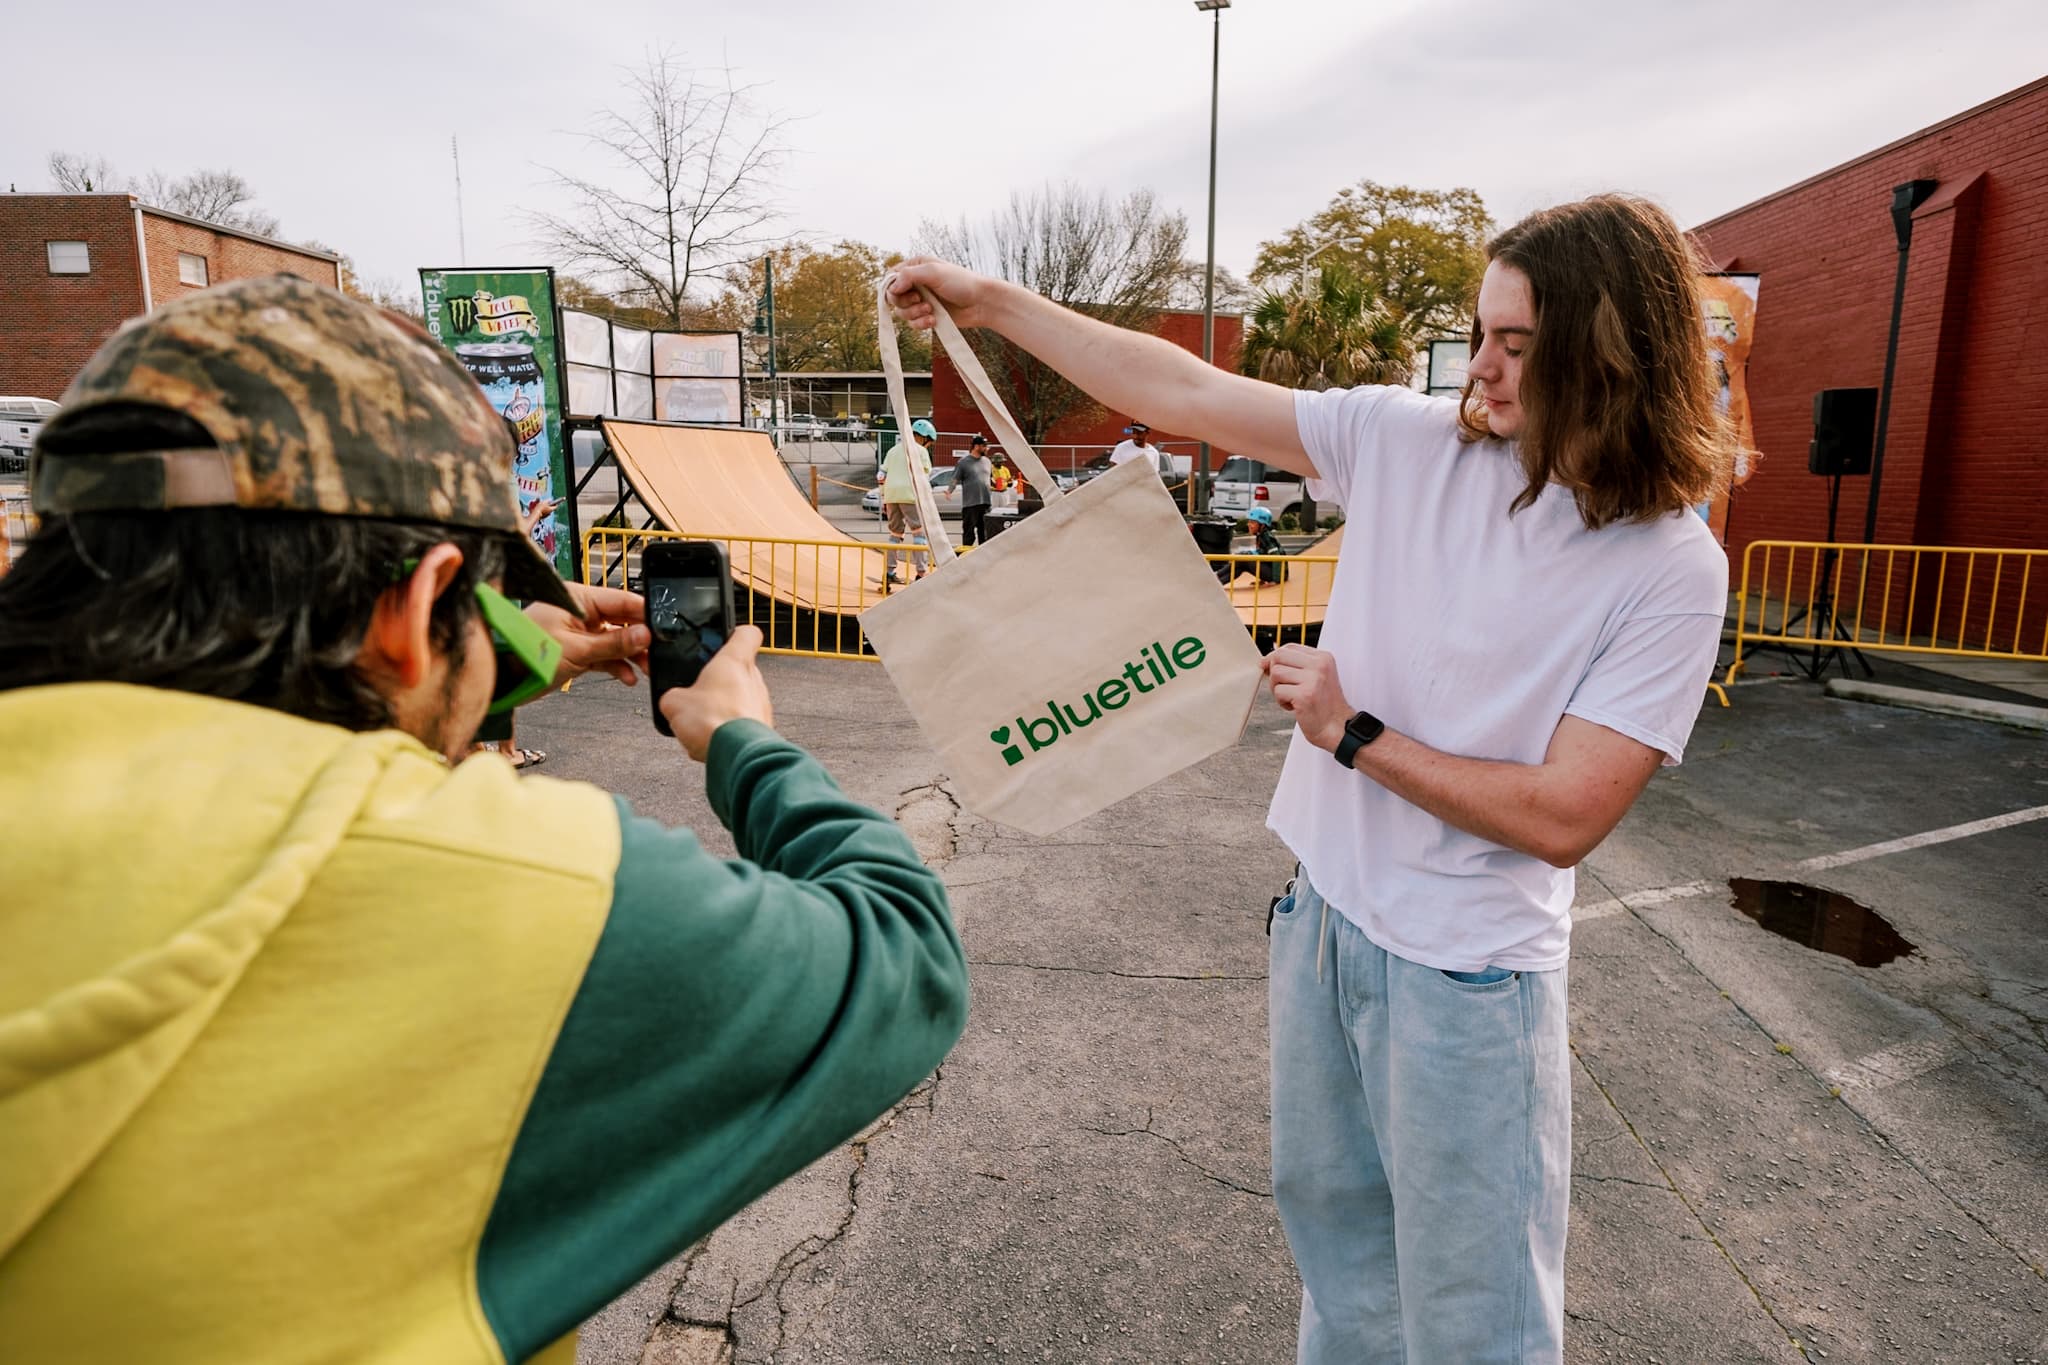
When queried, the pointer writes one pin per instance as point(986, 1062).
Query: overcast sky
point(939, 108)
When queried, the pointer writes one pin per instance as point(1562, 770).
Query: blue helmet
point(923, 428)
point(1262, 515)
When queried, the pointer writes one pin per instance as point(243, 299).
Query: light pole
point(1302, 283)
point(1214, 8)
point(764, 321)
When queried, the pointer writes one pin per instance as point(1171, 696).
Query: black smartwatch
point(1361, 730)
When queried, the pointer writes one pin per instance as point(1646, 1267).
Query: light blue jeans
point(1421, 1149)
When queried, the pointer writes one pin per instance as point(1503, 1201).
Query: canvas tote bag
point(1080, 656)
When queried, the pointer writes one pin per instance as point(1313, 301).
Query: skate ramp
point(728, 484)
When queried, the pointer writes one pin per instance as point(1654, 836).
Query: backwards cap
point(316, 403)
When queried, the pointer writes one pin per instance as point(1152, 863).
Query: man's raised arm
point(1121, 369)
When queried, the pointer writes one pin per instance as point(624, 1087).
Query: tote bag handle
point(979, 388)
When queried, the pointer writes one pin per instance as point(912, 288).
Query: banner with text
point(501, 325)
point(1728, 306)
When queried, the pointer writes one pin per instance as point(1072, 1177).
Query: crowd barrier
point(1908, 599)
point(806, 596)
point(17, 524)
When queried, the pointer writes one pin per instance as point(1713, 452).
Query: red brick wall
point(228, 257)
point(50, 324)
point(1966, 457)
point(1094, 430)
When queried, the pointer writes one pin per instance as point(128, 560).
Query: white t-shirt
point(1475, 633)
point(1130, 450)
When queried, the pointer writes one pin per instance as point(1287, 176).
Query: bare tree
point(698, 159)
point(1233, 295)
point(221, 197)
point(1118, 261)
point(76, 174)
point(216, 196)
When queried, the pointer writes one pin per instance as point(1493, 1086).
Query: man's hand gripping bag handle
point(978, 386)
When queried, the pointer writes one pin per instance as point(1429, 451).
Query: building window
point(69, 258)
point(191, 269)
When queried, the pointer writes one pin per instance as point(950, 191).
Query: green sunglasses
point(528, 657)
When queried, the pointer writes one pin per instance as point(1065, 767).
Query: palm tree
point(1332, 336)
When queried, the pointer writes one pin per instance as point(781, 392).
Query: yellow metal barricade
point(1950, 600)
point(806, 596)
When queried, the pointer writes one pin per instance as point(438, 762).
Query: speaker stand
point(1815, 663)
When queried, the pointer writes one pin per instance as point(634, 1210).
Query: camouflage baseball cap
point(316, 403)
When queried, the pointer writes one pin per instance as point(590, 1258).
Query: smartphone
point(688, 587)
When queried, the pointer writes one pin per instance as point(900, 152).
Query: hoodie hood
point(184, 830)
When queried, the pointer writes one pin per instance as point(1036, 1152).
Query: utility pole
point(774, 390)
point(1215, 9)
point(1905, 198)
point(461, 234)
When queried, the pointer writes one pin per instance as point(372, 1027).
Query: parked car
point(853, 427)
point(1242, 484)
point(20, 420)
point(942, 484)
point(803, 426)
point(1173, 469)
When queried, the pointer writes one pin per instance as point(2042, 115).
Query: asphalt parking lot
point(1779, 1155)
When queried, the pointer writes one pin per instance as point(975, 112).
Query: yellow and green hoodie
point(312, 1048)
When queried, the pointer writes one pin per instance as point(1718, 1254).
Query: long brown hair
point(1616, 386)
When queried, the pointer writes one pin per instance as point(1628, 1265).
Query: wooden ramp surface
point(724, 483)
point(1301, 596)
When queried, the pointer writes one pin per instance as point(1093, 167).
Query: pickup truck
point(20, 420)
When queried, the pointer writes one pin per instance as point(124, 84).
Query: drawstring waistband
point(1322, 936)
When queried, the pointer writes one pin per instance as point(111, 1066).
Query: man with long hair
point(317, 1043)
point(1522, 625)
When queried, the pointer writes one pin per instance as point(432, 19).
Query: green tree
point(824, 308)
point(1419, 252)
point(1334, 335)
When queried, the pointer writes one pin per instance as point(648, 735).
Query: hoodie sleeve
point(738, 1019)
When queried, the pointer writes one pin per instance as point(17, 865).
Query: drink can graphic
point(511, 379)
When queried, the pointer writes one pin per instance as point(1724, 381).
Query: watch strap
point(1362, 729)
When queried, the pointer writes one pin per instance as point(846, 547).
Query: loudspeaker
point(1844, 424)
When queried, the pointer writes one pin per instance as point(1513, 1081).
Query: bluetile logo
point(1154, 661)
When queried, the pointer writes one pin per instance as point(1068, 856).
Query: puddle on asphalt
point(1826, 920)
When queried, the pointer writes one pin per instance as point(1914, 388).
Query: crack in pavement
point(1621, 1180)
point(1149, 1131)
point(1839, 1094)
point(1601, 1322)
point(1672, 1185)
point(1111, 971)
point(789, 1263)
point(931, 816)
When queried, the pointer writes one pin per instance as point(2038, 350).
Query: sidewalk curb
point(1972, 708)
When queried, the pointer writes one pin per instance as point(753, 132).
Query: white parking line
point(1933, 836)
point(1889, 1066)
point(1641, 900)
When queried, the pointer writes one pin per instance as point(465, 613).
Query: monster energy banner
point(501, 325)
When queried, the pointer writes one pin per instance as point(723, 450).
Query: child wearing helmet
point(1261, 519)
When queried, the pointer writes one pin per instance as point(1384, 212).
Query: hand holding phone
point(730, 688)
point(689, 613)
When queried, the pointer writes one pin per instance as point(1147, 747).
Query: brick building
point(1091, 431)
point(73, 267)
point(1966, 456)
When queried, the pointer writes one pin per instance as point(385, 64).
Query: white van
point(20, 420)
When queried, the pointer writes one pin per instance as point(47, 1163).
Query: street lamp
point(764, 321)
point(1302, 283)
point(1215, 7)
